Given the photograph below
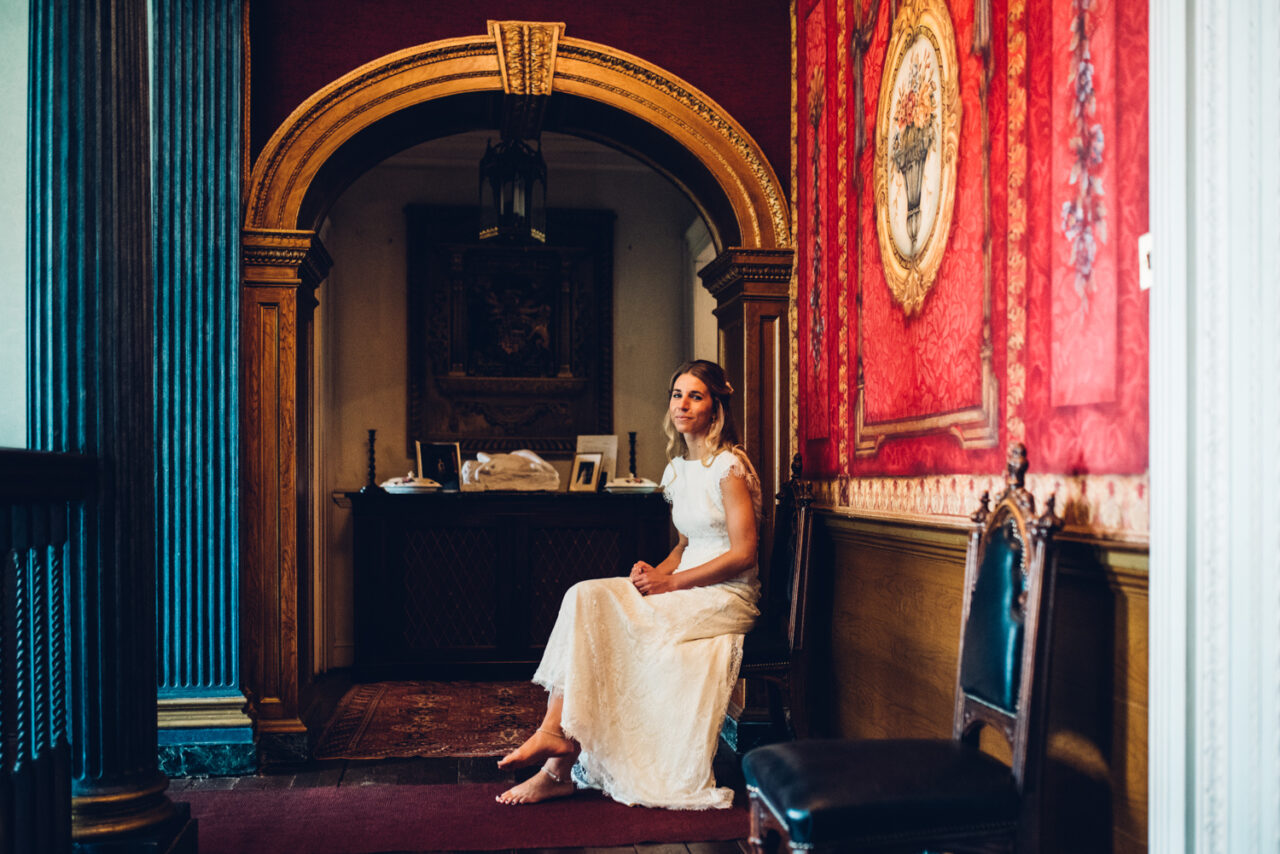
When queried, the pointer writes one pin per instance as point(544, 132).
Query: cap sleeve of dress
point(734, 463)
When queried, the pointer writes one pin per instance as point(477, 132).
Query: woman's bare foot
point(540, 787)
point(539, 747)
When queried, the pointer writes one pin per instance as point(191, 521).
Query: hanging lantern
point(513, 192)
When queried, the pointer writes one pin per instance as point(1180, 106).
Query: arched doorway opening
point(435, 90)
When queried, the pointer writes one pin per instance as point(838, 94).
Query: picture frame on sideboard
point(585, 476)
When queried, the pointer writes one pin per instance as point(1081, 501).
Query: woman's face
point(691, 406)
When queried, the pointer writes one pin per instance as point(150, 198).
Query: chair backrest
point(1010, 571)
point(782, 600)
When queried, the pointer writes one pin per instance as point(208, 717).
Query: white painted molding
point(1214, 741)
point(13, 212)
point(1169, 408)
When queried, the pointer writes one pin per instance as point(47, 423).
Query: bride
point(639, 669)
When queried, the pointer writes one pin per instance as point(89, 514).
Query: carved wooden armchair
point(911, 795)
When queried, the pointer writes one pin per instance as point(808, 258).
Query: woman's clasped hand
point(650, 580)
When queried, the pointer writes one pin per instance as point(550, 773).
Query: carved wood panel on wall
point(510, 346)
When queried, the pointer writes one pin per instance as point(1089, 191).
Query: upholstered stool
point(838, 794)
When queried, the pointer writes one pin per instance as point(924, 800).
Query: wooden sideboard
point(468, 585)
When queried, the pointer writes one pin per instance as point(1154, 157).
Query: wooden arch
point(325, 144)
point(332, 117)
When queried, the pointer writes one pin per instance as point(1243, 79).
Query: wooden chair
point(903, 795)
point(775, 651)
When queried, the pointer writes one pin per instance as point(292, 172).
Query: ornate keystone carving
point(526, 55)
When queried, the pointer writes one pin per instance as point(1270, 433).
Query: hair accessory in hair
point(728, 386)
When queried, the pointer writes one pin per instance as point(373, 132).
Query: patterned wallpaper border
point(1104, 507)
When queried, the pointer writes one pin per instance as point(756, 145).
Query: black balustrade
point(42, 498)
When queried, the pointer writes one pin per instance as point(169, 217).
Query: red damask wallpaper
point(1087, 393)
point(816, 252)
point(1051, 306)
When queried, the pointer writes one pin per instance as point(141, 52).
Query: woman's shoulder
point(732, 460)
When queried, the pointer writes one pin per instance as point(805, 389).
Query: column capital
point(740, 272)
point(277, 257)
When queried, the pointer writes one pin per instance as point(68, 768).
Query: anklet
point(559, 735)
point(551, 774)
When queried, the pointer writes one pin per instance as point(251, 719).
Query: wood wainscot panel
point(895, 627)
point(1097, 754)
point(893, 645)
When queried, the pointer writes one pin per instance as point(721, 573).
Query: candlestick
point(371, 480)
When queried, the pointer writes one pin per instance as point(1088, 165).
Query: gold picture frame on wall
point(917, 140)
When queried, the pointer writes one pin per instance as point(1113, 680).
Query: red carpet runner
point(365, 819)
point(380, 720)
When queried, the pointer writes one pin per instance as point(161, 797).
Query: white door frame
point(1214, 739)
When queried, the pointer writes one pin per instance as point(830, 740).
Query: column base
point(177, 835)
point(207, 753)
point(205, 736)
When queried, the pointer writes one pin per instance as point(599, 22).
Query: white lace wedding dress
point(646, 679)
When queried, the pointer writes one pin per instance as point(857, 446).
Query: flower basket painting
point(917, 137)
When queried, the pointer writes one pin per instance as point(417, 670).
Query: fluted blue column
point(196, 98)
point(90, 372)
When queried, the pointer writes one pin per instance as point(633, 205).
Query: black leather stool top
point(880, 791)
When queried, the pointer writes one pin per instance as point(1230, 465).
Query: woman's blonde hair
point(722, 433)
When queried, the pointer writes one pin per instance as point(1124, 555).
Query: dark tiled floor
point(352, 772)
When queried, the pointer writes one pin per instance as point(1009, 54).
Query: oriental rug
point(383, 818)
point(381, 720)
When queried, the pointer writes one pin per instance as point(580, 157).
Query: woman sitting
point(640, 669)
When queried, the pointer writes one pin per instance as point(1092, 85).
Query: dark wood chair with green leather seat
point(775, 650)
point(910, 795)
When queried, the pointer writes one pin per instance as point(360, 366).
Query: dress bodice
point(694, 490)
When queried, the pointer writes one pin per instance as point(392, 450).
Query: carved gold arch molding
point(283, 262)
point(494, 62)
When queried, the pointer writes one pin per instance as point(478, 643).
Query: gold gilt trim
point(329, 118)
point(120, 810)
point(320, 124)
point(1016, 333)
point(1096, 508)
point(793, 287)
point(669, 121)
point(842, 233)
point(909, 279)
point(712, 115)
point(201, 712)
point(526, 55)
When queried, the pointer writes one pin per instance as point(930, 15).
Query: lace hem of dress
point(711, 798)
point(598, 776)
point(714, 797)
